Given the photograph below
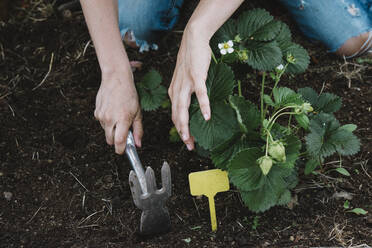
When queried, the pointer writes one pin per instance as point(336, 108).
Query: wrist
point(198, 30)
point(111, 68)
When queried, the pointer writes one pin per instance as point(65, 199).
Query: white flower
point(280, 67)
point(226, 47)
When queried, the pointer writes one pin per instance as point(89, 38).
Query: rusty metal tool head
point(146, 196)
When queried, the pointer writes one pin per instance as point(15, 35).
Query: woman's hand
point(193, 62)
point(189, 76)
point(117, 109)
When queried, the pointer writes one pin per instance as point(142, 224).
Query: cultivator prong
point(155, 216)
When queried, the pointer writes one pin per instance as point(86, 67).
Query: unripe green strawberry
point(265, 163)
point(277, 151)
point(304, 108)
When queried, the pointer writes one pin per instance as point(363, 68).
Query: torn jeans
point(146, 20)
point(333, 22)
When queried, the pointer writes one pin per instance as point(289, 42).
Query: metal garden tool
point(209, 183)
point(155, 216)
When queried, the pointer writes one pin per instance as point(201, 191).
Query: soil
point(61, 185)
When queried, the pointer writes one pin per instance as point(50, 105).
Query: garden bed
point(61, 185)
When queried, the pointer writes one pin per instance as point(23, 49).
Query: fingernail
point(189, 147)
point(206, 117)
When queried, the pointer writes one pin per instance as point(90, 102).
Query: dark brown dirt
point(62, 186)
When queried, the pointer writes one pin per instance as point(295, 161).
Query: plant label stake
point(155, 216)
point(209, 183)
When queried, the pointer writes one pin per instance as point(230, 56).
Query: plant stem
point(262, 94)
point(240, 88)
point(274, 120)
point(277, 79)
point(214, 58)
point(267, 144)
point(289, 121)
point(280, 110)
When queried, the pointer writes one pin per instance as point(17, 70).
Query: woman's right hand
point(117, 108)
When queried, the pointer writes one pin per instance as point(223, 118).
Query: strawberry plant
point(151, 93)
point(263, 147)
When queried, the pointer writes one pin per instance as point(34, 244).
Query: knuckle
point(201, 91)
point(119, 140)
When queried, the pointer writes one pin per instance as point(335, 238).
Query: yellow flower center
point(226, 46)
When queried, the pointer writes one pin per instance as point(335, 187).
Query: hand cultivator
point(155, 216)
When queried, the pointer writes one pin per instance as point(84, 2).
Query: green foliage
point(327, 137)
point(358, 211)
point(261, 155)
point(286, 97)
point(247, 113)
point(263, 43)
point(151, 93)
point(221, 126)
point(325, 102)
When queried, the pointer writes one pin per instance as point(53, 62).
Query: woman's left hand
point(190, 76)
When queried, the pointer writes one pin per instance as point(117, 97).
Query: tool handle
point(134, 160)
point(212, 211)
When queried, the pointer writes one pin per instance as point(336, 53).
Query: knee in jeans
point(356, 46)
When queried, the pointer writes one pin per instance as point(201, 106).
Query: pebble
point(8, 195)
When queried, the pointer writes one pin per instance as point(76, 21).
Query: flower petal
point(230, 43)
point(230, 50)
point(223, 51)
point(220, 45)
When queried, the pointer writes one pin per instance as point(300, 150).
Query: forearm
point(102, 20)
point(210, 15)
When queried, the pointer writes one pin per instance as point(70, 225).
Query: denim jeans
point(147, 19)
point(332, 22)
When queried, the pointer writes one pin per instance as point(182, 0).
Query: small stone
point(291, 238)
point(8, 195)
point(342, 195)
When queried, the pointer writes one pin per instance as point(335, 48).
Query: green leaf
point(358, 211)
point(284, 198)
point(247, 113)
point(328, 103)
point(270, 193)
point(284, 36)
point(349, 127)
point(346, 204)
point(251, 21)
point(151, 93)
point(321, 126)
point(303, 121)
point(327, 137)
point(267, 32)
point(343, 171)
point(151, 80)
point(284, 96)
point(223, 154)
point(264, 56)
point(301, 56)
point(244, 171)
point(325, 102)
point(309, 95)
point(311, 165)
point(221, 127)
point(345, 142)
point(267, 99)
point(220, 82)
